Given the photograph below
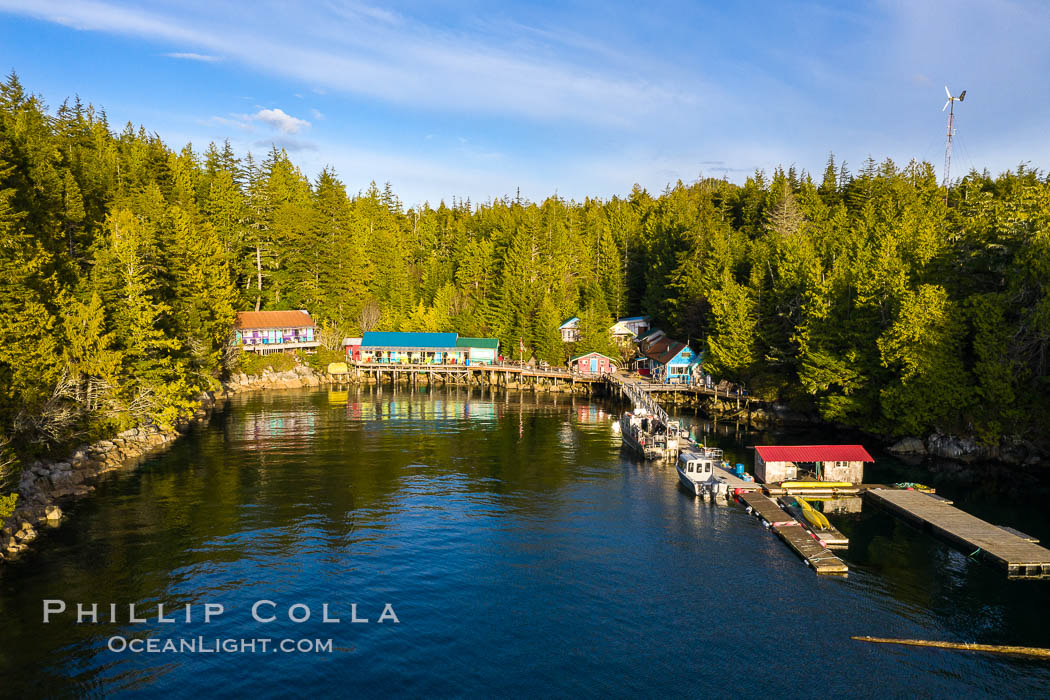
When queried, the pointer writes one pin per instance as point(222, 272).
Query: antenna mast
point(951, 132)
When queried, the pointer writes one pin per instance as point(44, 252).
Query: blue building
point(667, 360)
point(412, 348)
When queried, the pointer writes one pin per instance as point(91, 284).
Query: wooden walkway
point(798, 538)
point(1006, 549)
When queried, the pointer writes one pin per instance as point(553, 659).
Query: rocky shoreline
point(1012, 451)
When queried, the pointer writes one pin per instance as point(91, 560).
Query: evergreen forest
point(871, 295)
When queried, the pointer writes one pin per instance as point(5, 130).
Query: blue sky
point(475, 99)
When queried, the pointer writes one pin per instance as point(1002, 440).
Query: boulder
point(53, 513)
point(908, 446)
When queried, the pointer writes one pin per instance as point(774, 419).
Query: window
point(690, 467)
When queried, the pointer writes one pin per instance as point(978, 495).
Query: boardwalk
point(1005, 549)
point(465, 373)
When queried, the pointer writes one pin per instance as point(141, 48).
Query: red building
point(592, 364)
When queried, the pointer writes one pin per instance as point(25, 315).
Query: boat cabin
point(844, 463)
point(697, 467)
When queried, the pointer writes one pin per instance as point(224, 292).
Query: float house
point(268, 332)
point(775, 463)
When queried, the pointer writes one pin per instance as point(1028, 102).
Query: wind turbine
point(951, 132)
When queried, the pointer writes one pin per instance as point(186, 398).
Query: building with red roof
point(775, 463)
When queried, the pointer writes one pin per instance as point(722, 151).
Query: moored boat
point(696, 471)
point(646, 435)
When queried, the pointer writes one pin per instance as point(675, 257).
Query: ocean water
point(522, 552)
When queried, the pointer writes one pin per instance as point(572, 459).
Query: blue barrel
point(739, 469)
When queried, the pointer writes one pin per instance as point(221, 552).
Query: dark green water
point(523, 554)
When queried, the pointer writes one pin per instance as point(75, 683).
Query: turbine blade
point(946, 105)
point(947, 93)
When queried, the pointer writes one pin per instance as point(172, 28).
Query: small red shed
point(592, 364)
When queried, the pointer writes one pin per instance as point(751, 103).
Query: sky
point(481, 100)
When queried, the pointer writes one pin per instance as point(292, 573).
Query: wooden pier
point(798, 538)
point(1004, 548)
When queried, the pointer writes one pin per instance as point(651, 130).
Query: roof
point(351, 341)
point(571, 323)
point(652, 333)
point(486, 343)
point(632, 318)
point(273, 319)
point(408, 340)
point(588, 354)
point(813, 453)
point(663, 350)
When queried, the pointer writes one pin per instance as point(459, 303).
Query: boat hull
point(694, 487)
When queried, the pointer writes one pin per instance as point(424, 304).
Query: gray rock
point(908, 446)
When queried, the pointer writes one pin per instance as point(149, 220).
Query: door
point(594, 365)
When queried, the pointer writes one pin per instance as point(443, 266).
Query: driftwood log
point(989, 648)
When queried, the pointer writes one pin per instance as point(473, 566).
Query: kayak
point(813, 516)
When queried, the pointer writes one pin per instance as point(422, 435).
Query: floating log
point(989, 648)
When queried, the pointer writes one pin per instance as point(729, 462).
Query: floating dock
point(797, 537)
point(734, 482)
point(830, 537)
point(1002, 547)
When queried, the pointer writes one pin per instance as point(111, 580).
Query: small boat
point(696, 471)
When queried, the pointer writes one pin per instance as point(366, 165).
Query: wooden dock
point(1003, 548)
point(735, 483)
point(798, 538)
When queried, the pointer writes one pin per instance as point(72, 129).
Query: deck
point(1004, 548)
point(798, 538)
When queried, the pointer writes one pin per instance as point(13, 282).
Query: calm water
point(523, 552)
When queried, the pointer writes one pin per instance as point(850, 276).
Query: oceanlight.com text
point(217, 645)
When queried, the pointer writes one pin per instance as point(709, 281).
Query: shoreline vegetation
point(874, 299)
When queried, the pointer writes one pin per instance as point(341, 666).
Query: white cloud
point(316, 113)
point(278, 119)
point(195, 57)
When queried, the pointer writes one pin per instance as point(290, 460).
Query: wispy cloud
point(205, 58)
point(316, 114)
point(372, 52)
point(278, 119)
